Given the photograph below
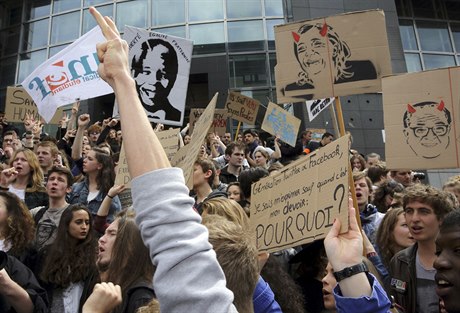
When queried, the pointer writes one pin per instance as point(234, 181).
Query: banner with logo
point(69, 75)
point(160, 65)
point(315, 107)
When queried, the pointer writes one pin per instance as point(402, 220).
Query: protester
point(453, 186)
point(358, 164)
point(372, 159)
point(404, 177)
point(326, 139)
point(384, 193)
point(377, 173)
point(235, 156)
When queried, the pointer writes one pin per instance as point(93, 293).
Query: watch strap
point(350, 271)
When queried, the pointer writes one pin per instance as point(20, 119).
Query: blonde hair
point(227, 208)
point(36, 177)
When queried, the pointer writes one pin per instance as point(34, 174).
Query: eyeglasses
point(422, 131)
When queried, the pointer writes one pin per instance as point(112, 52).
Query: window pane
point(437, 61)
point(56, 49)
point(178, 31)
point(453, 9)
point(36, 34)
point(7, 71)
point(434, 36)
point(61, 33)
point(423, 8)
point(38, 8)
point(202, 10)
point(271, 32)
point(94, 2)
point(9, 41)
point(456, 34)
point(403, 8)
point(207, 38)
point(413, 62)
point(244, 8)
point(88, 20)
point(159, 7)
point(273, 8)
point(272, 61)
point(64, 5)
point(245, 36)
point(30, 61)
point(133, 13)
point(248, 71)
point(406, 29)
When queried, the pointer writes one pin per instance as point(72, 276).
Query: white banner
point(160, 65)
point(69, 75)
point(314, 107)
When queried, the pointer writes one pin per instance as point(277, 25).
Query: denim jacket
point(80, 193)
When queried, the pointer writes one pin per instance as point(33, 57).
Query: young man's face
point(362, 192)
point(371, 161)
point(45, 158)
point(106, 245)
point(249, 138)
point(226, 138)
point(403, 177)
point(422, 221)
point(327, 140)
point(447, 265)
point(199, 177)
point(237, 157)
point(57, 185)
point(7, 141)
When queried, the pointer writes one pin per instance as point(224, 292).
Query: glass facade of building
point(241, 30)
point(430, 33)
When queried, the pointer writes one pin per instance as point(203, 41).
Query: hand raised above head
point(83, 120)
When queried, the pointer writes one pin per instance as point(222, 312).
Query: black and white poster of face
point(160, 66)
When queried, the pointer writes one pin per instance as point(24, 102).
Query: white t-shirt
point(21, 193)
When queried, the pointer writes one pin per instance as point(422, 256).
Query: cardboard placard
point(279, 122)
point(186, 156)
point(422, 119)
point(316, 133)
point(333, 56)
point(242, 108)
point(160, 65)
point(218, 125)
point(315, 107)
point(170, 141)
point(299, 204)
point(19, 103)
point(122, 176)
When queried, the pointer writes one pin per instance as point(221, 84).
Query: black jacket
point(404, 279)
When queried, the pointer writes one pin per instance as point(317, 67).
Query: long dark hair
point(106, 175)
point(68, 261)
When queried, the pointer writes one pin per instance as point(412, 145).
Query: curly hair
point(385, 238)
point(106, 175)
point(20, 228)
point(437, 199)
point(69, 261)
point(36, 177)
point(361, 160)
point(388, 187)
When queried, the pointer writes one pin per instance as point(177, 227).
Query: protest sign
point(422, 119)
point(242, 108)
point(160, 65)
point(317, 133)
point(122, 176)
point(299, 204)
point(186, 156)
point(315, 107)
point(333, 56)
point(170, 141)
point(19, 103)
point(218, 125)
point(69, 75)
point(281, 123)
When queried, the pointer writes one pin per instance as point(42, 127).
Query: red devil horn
point(440, 106)
point(410, 109)
point(296, 36)
point(323, 31)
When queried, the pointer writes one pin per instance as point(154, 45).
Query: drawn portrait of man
point(323, 56)
point(155, 68)
point(427, 128)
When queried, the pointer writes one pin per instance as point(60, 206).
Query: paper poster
point(421, 117)
point(69, 75)
point(187, 155)
point(280, 122)
point(299, 204)
point(333, 56)
point(160, 65)
point(242, 108)
point(170, 141)
point(122, 176)
point(19, 103)
point(317, 133)
point(218, 125)
point(315, 107)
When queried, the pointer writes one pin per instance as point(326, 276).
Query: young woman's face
point(356, 164)
point(402, 234)
point(21, 164)
point(85, 140)
point(329, 283)
point(79, 225)
point(3, 212)
point(187, 139)
point(113, 133)
point(260, 159)
point(234, 193)
point(90, 163)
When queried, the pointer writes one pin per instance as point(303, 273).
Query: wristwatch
point(350, 271)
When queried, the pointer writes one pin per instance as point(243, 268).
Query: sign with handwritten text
point(170, 141)
point(299, 204)
point(218, 125)
point(186, 156)
point(19, 103)
point(242, 108)
point(280, 122)
point(122, 176)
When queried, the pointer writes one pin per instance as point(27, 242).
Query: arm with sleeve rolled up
point(187, 272)
point(83, 121)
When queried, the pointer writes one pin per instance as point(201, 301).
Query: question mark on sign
point(342, 187)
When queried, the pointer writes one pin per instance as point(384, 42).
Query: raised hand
point(105, 297)
point(75, 107)
point(83, 120)
point(7, 176)
point(29, 122)
point(116, 190)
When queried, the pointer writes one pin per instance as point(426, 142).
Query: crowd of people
point(67, 245)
